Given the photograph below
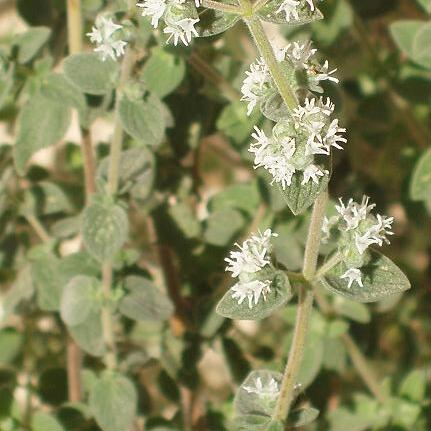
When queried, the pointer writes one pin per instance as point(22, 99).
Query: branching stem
point(328, 265)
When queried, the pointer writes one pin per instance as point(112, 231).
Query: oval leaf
point(380, 276)
point(280, 293)
point(105, 228)
point(144, 301)
point(214, 22)
point(420, 186)
point(78, 299)
point(113, 401)
point(90, 74)
point(31, 42)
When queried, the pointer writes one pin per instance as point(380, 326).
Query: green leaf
point(251, 422)
point(380, 276)
point(45, 422)
point(222, 225)
point(413, 386)
point(89, 335)
point(185, 219)
point(214, 22)
point(336, 328)
point(30, 43)
point(299, 197)
point(342, 419)
point(113, 400)
point(425, 4)
point(163, 72)
point(42, 123)
point(249, 403)
point(269, 13)
point(422, 46)
point(312, 360)
point(11, 342)
point(235, 123)
point(90, 74)
point(302, 417)
point(275, 426)
point(404, 33)
point(135, 172)
point(334, 355)
point(404, 413)
point(280, 293)
point(143, 119)
point(244, 197)
point(420, 185)
point(353, 310)
point(48, 280)
point(144, 301)
point(105, 228)
point(78, 300)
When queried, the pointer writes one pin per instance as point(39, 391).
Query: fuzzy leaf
point(404, 33)
point(269, 13)
point(144, 301)
point(280, 293)
point(185, 219)
point(302, 417)
point(422, 46)
point(353, 310)
point(214, 22)
point(163, 72)
point(222, 225)
point(78, 299)
point(113, 400)
point(249, 403)
point(90, 74)
point(42, 123)
point(30, 43)
point(143, 119)
point(251, 422)
point(413, 386)
point(45, 422)
point(105, 228)
point(380, 276)
point(420, 186)
point(299, 197)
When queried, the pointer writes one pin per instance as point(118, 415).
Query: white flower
point(184, 30)
point(269, 391)
point(290, 8)
point(299, 53)
point(103, 35)
point(252, 255)
point(376, 234)
point(324, 74)
point(153, 8)
point(314, 119)
point(353, 213)
point(251, 290)
point(313, 172)
point(274, 156)
point(256, 82)
point(354, 275)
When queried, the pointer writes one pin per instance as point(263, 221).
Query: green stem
point(223, 7)
point(74, 26)
point(305, 307)
point(334, 260)
point(267, 52)
point(38, 227)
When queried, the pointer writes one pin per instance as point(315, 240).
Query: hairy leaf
point(420, 186)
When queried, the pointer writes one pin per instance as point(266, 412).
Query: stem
point(305, 307)
point(314, 236)
point(223, 7)
point(113, 175)
point(334, 260)
point(89, 164)
point(267, 52)
point(37, 226)
point(74, 26)
point(363, 368)
point(285, 399)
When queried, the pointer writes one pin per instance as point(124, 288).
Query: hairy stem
point(267, 52)
point(328, 265)
point(38, 227)
point(305, 306)
point(113, 177)
point(74, 26)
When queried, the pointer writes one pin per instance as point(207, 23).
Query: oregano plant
point(189, 239)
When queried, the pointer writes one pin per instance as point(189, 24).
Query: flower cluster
point(266, 392)
point(302, 56)
point(253, 255)
point(293, 9)
point(105, 34)
point(359, 230)
point(295, 143)
point(179, 17)
point(258, 83)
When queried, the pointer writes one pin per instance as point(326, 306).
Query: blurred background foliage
point(195, 193)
